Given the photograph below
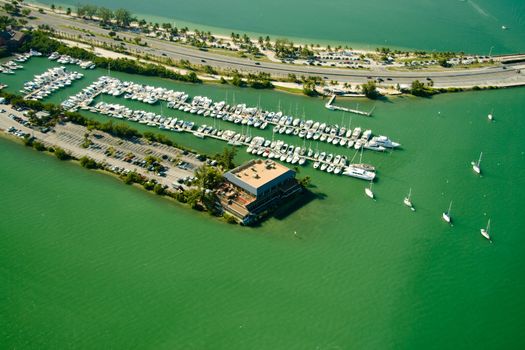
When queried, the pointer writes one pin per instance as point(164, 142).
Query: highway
point(506, 75)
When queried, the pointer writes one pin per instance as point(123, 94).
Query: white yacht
point(475, 166)
point(485, 232)
point(385, 142)
point(446, 215)
point(368, 191)
point(408, 202)
point(359, 173)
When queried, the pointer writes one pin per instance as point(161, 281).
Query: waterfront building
point(255, 187)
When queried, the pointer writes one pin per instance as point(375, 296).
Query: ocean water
point(472, 26)
point(88, 262)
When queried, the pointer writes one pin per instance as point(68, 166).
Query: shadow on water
point(288, 207)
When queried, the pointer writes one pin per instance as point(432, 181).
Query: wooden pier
point(333, 107)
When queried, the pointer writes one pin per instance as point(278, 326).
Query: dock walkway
point(333, 107)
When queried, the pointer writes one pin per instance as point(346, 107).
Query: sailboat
point(408, 202)
point(491, 116)
point(446, 215)
point(368, 191)
point(485, 232)
point(475, 166)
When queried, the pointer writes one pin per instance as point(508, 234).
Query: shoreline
point(224, 32)
point(104, 169)
point(328, 79)
point(221, 32)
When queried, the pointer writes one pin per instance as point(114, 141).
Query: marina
point(254, 117)
point(50, 81)
point(91, 263)
point(257, 145)
point(250, 118)
point(119, 229)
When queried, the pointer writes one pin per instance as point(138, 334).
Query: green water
point(87, 262)
point(447, 25)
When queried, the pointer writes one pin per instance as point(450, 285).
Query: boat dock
point(329, 105)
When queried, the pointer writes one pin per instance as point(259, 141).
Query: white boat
point(475, 166)
point(359, 173)
point(408, 202)
point(485, 232)
point(491, 116)
point(368, 191)
point(446, 215)
point(385, 142)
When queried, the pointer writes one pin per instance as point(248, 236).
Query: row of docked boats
point(46, 83)
point(284, 124)
point(336, 164)
point(253, 116)
point(142, 117)
point(66, 59)
point(84, 98)
point(9, 67)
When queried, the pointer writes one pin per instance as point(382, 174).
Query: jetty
point(330, 105)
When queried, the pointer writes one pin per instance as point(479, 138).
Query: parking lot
point(168, 165)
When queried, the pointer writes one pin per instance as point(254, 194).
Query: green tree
point(237, 80)
point(91, 10)
point(369, 89)
point(159, 189)
point(88, 163)
point(305, 181)
point(226, 158)
point(105, 14)
point(124, 17)
point(61, 154)
point(419, 89)
point(193, 197)
point(208, 177)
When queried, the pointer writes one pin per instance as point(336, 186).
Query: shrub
point(88, 163)
point(61, 154)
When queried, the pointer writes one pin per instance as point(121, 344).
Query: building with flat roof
point(259, 177)
point(255, 186)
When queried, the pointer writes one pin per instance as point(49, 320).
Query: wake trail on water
point(480, 10)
